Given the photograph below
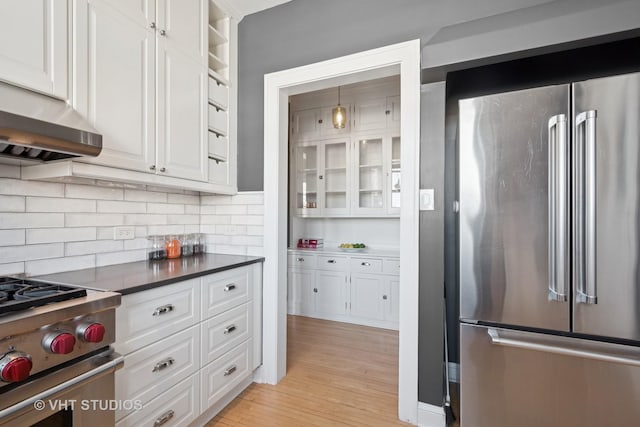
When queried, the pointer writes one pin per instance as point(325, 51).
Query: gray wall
point(307, 31)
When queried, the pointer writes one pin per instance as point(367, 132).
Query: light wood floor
point(338, 374)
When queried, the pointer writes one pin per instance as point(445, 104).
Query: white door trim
point(404, 59)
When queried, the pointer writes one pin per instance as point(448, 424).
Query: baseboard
point(431, 415)
point(454, 372)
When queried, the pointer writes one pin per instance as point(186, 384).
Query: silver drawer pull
point(300, 259)
point(230, 371)
point(366, 264)
point(331, 261)
point(162, 419)
point(163, 364)
point(168, 308)
point(229, 329)
point(229, 287)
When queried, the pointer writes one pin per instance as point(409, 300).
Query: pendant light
point(339, 114)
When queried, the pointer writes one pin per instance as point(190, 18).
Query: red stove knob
point(61, 343)
point(15, 366)
point(92, 332)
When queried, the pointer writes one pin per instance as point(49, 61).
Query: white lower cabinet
point(176, 407)
point(355, 289)
point(170, 333)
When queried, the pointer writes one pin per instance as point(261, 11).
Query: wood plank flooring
point(338, 374)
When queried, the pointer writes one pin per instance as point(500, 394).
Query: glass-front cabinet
point(344, 177)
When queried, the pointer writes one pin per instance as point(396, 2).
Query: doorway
point(400, 59)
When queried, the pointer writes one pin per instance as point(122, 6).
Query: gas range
point(46, 327)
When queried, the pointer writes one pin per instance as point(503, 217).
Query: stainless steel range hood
point(35, 127)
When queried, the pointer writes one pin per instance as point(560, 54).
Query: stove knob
point(91, 332)
point(61, 343)
point(15, 366)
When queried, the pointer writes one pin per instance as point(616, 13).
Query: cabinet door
point(183, 24)
point(300, 284)
point(393, 178)
point(306, 124)
point(182, 115)
point(330, 293)
point(33, 53)
point(392, 300)
point(370, 114)
point(307, 184)
point(335, 175)
point(115, 83)
point(370, 176)
point(366, 296)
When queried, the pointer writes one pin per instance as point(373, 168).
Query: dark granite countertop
point(142, 275)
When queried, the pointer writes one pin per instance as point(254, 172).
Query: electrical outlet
point(124, 233)
point(427, 202)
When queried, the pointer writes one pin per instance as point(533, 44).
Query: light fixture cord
point(338, 95)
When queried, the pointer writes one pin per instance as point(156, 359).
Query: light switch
point(427, 202)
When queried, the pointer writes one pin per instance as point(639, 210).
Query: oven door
point(79, 395)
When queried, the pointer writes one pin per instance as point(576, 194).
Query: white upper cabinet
point(376, 113)
point(148, 125)
point(34, 51)
point(316, 123)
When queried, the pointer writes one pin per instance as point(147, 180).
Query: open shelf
point(370, 166)
point(216, 76)
point(216, 63)
point(216, 37)
point(371, 190)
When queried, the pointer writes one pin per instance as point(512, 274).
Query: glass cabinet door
point(394, 205)
point(370, 174)
point(307, 178)
point(335, 176)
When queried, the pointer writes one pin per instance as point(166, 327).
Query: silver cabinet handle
point(153, 25)
point(365, 264)
point(230, 287)
point(152, 167)
point(164, 418)
point(163, 33)
point(168, 308)
point(585, 235)
point(300, 259)
point(331, 261)
point(163, 169)
point(229, 329)
point(557, 199)
point(163, 364)
point(230, 370)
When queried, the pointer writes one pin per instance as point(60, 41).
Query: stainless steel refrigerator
point(549, 196)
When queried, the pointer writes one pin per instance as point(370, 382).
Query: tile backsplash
point(46, 227)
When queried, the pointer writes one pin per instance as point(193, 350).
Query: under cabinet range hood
point(36, 128)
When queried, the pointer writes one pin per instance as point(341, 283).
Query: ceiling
point(247, 7)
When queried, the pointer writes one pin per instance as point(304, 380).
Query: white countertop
point(367, 252)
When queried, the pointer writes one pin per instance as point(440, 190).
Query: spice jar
point(186, 242)
point(172, 245)
point(198, 243)
point(156, 248)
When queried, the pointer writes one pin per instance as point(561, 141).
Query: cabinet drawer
point(218, 146)
point(222, 291)
point(217, 120)
point(179, 406)
point(225, 331)
point(148, 316)
point(220, 376)
point(218, 94)
point(366, 265)
point(334, 263)
point(218, 171)
point(157, 367)
point(301, 260)
point(391, 266)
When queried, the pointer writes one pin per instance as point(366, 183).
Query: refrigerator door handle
point(586, 285)
point(565, 346)
point(557, 194)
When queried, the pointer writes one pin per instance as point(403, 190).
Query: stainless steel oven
point(56, 362)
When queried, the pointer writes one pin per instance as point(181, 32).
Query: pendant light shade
point(339, 114)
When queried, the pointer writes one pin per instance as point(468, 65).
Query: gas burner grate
point(18, 294)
